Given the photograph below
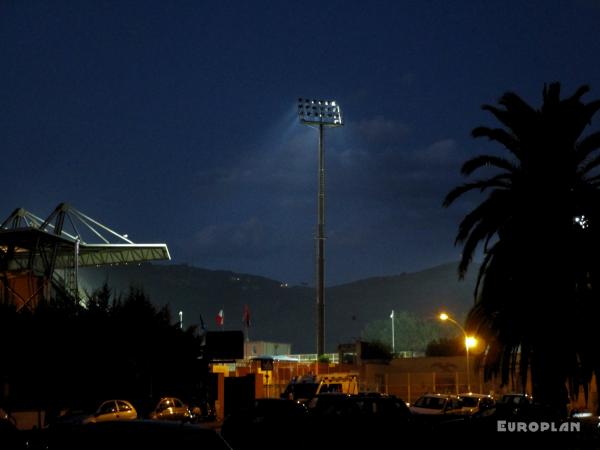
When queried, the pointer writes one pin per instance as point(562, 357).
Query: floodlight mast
point(321, 114)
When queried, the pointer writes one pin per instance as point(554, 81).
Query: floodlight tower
point(320, 114)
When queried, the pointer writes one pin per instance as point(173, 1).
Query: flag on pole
point(246, 317)
point(392, 314)
point(220, 318)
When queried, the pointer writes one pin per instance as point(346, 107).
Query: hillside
point(287, 314)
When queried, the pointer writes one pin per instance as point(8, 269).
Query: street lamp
point(320, 114)
point(470, 341)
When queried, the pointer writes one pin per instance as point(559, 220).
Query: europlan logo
point(508, 426)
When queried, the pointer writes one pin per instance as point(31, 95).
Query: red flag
point(246, 317)
point(220, 318)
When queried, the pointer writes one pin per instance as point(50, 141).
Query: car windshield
point(431, 402)
point(516, 399)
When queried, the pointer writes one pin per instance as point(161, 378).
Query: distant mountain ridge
point(287, 314)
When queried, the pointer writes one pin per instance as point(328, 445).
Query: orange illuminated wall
point(24, 290)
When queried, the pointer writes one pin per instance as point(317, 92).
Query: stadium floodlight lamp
point(325, 113)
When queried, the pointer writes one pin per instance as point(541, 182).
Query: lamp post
point(470, 341)
point(320, 114)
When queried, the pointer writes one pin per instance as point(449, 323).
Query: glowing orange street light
point(470, 342)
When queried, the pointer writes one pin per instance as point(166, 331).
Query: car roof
point(333, 394)
point(438, 395)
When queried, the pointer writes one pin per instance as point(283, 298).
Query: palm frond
point(551, 96)
point(580, 92)
point(593, 181)
point(586, 146)
point(487, 160)
point(489, 209)
point(517, 106)
point(489, 255)
point(591, 108)
point(506, 118)
point(589, 165)
point(499, 181)
point(524, 362)
point(485, 227)
point(499, 135)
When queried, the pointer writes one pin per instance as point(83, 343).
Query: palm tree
point(537, 288)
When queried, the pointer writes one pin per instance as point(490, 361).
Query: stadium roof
point(68, 231)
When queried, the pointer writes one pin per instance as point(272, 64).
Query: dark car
point(266, 423)
point(514, 405)
point(10, 437)
point(128, 435)
point(71, 417)
point(342, 420)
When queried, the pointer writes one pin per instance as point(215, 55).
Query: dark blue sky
point(174, 121)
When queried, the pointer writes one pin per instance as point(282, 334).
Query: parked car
point(266, 423)
point(514, 404)
point(437, 404)
point(474, 403)
point(171, 408)
point(516, 399)
point(111, 410)
point(357, 421)
point(127, 435)
point(333, 404)
point(383, 411)
point(10, 436)
point(71, 417)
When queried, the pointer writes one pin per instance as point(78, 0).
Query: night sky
point(175, 121)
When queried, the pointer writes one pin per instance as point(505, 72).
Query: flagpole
point(393, 337)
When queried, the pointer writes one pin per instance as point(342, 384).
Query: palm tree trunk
point(548, 376)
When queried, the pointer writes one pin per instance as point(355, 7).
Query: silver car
point(112, 410)
point(434, 404)
point(171, 408)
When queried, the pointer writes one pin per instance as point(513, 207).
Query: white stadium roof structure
point(66, 240)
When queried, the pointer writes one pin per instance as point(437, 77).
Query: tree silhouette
point(64, 354)
point(412, 333)
point(536, 292)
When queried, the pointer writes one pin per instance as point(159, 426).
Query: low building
point(256, 349)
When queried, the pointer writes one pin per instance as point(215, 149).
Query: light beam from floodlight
point(320, 114)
